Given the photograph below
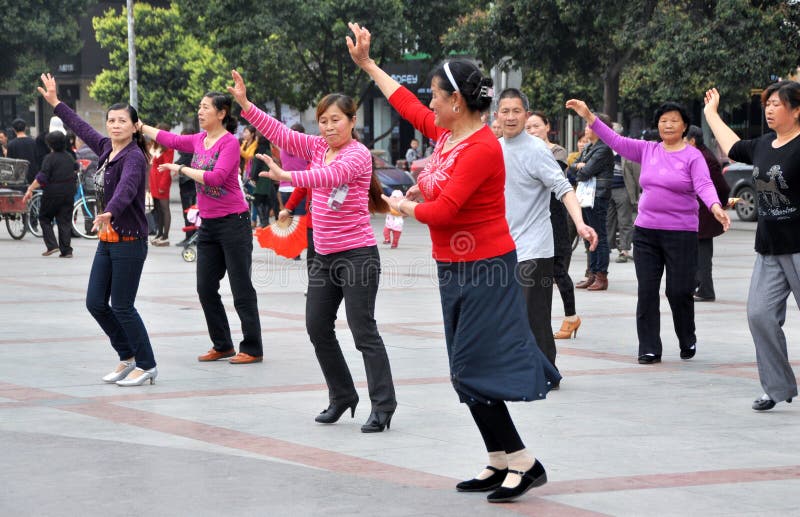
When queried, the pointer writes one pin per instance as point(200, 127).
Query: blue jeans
point(596, 218)
point(116, 270)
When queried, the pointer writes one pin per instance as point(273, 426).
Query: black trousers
point(225, 245)
point(564, 282)
point(188, 191)
point(675, 251)
point(352, 276)
point(496, 427)
point(60, 208)
point(705, 282)
point(536, 278)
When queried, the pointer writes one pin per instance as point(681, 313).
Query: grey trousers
point(619, 217)
point(774, 277)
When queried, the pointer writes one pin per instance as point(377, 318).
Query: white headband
point(450, 76)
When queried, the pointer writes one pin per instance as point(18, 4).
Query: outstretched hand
point(712, 101)
point(275, 172)
point(49, 92)
point(359, 50)
point(722, 216)
point(587, 233)
point(579, 107)
point(239, 91)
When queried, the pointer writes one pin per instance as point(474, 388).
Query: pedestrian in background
point(709, 227)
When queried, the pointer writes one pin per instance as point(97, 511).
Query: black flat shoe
point(482, 485)
point(765, 404)
point(335, 411)
point(377, 421)
point(688, 353)
point(533, 477)
point(649, 359)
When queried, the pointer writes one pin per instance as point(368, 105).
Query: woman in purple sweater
point(117, 266)
point(674, 174)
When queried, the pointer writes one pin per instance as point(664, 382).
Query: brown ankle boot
point(584, 284)
point(600, 282)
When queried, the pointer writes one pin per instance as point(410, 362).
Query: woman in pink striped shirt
point(347, 265)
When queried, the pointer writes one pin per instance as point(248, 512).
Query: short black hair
point(673, 106)
point(513, 93)
point(19, 125)
point(56, 140)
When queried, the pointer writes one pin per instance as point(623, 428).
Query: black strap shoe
point(532, 478)
point(482, 485)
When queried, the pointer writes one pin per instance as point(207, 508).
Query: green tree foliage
point(293, 51)
point(644, 50)
point(174, 68)
point(31, 32)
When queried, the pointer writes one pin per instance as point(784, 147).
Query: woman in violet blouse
point(122, 231)
point(225, 239)
point(673, 175)
point(346, 265)
point(492, 352)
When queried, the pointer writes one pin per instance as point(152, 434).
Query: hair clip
point(487, 91)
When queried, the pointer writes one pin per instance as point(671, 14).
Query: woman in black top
point(776, 160)
point(57, 178)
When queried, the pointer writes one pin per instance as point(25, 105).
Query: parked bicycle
point(84, 210)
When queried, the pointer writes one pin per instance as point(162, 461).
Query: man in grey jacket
point(531, 175)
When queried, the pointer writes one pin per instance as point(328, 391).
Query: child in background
point(394, 224)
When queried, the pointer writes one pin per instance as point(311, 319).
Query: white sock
point(497, 459)
point(521, 461)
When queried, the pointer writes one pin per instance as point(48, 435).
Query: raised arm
point(627, 147)
point(87, 133)
point(403, 101)
point(722, 133)
point(359, 51)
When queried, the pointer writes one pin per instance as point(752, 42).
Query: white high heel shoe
point(141, 377)
point(122, 371)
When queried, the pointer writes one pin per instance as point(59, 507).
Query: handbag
point(585, 192)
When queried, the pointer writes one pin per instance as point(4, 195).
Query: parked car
point(391, 177)
point(740, 179)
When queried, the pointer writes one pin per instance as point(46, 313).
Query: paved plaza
point(678, 438)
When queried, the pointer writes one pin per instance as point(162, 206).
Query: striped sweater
point(334, 230)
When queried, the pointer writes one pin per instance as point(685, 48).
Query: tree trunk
point(278, 114)
point(611, 93)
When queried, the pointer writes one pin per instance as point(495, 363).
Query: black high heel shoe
point(335, 411)
point(377, 421)
point(482, 485)
point(533, 477)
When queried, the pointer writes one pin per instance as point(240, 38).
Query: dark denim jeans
point(596, 218)
point(352, 275)
point(225, 244)
point(115, 275)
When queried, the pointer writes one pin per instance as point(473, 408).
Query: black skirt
point(493, 354)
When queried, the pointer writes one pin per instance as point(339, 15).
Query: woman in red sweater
point(160, 182)
point(493, 354)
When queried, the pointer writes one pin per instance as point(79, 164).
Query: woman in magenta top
point(346, 265)
point(674, 174)
point(225, 240)
point(492, 352)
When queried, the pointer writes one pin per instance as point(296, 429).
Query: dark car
point(391, 177)
point(418, 165)
point(740, 179)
